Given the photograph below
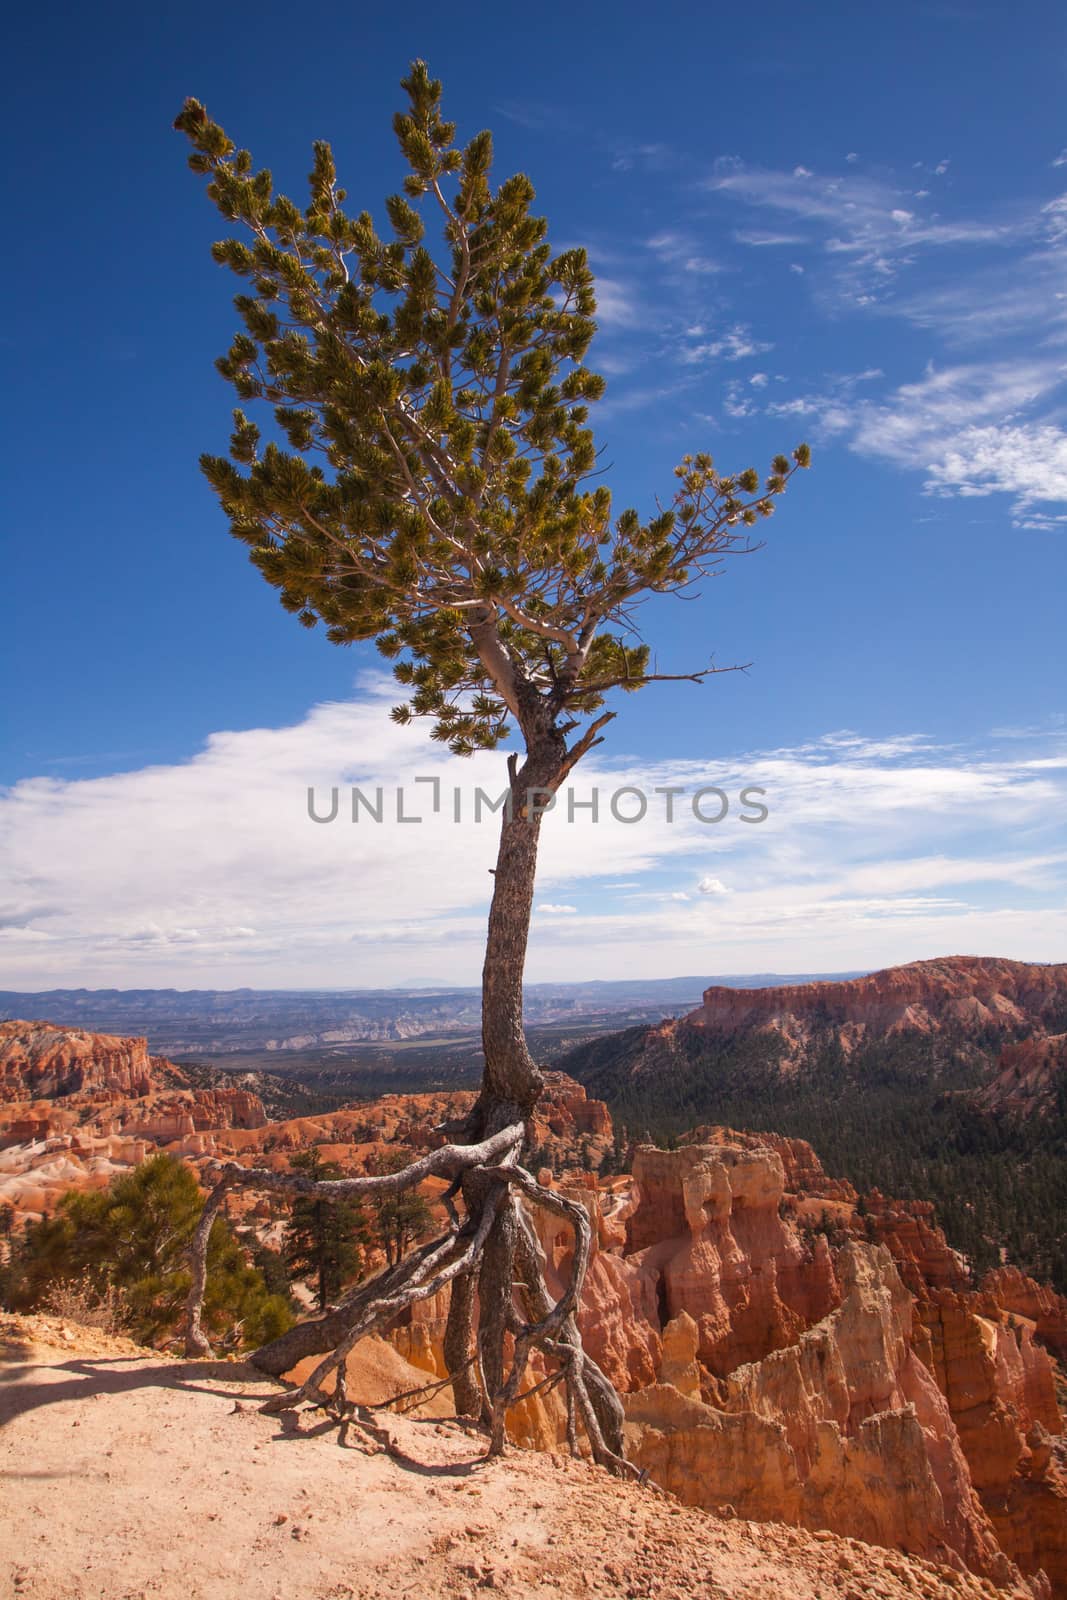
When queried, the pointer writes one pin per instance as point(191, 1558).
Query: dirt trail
point(127, 1475)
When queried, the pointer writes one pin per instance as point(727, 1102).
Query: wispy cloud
point(735, 343)
point(971, 430)
point(679, 250)
point(211, 872)
point(764, 240)
point(629, 153)
point(617, 303)
point(874, 225)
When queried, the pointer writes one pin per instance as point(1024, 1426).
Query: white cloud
point(1061, 159)
point(736, 403)
point(617, 304)
point(679, 250)
point(209, 873)
point(861, 221)
point(1056, 212)
point(760, 240)
point(734, 344)
point(965, 428)
point(969, 429)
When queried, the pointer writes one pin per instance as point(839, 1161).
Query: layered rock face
point(766, 1371)
point(1029, 1077)
point(1035, 1303)
point(39, 1061)
point(917, 1245)
point(844, 1429)
point(78, 1108)
point(863, 1389)
point(970, 990)
point(706, 1238)
point(1000, 1390)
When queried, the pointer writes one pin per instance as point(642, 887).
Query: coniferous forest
point(896, 1115)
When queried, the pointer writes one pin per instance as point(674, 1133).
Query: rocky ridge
point(785, 1353)
point(974, 991)
point(1030, 1076)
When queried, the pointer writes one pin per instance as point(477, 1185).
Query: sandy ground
point(128, 1477)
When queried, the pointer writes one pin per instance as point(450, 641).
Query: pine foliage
point(426, 475)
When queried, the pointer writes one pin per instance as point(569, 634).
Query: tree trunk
point(311, 1338)
point(466, 1389)
point(494, 1245)
point(511, 1082)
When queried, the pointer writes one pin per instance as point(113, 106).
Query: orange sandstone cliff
point(780, 1353)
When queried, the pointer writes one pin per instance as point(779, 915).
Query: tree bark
point(511, 1082)
point(196, 1342)
point(459, 1338)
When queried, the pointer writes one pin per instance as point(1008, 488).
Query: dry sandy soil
point(125, 1475)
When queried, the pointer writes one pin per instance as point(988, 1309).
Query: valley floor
point(127, 1475)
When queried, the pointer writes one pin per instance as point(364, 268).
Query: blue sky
point(848, 226)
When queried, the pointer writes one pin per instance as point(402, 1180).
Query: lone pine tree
point(428, 482)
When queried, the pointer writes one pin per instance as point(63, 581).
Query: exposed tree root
point(491, 1254)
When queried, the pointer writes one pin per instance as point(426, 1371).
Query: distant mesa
point(976, 991)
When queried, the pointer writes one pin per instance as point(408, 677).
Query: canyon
point(789, 1351)
point(942, 1080)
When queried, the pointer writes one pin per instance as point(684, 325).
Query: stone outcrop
point(40, 1061)
point(706, 1238)
point(1028, 1079)
point(963, 988)
point(1035, 1303)
point(917, 1245)
point(844, 1429)
point(1000, 1390)
point(972, 990)
point(78, 1108)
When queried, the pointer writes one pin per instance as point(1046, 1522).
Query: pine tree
point(324, 1239)
point(399, 1220)
point(426, 481)
point(132, 1237)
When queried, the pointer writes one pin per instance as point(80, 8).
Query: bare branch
point(449, 1161)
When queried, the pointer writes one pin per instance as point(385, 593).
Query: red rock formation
point(1000, 1390)
point(707, 1238)
point(918, 1246)
point(40, 1061)
point(565, 1117)
point(1028, 1077)
point(974, 989)
point(844, 1429)
point(1041, 1307)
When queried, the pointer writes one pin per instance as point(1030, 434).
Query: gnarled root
point(491, 1252)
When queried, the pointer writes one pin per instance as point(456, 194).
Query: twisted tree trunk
point(489, 1253)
